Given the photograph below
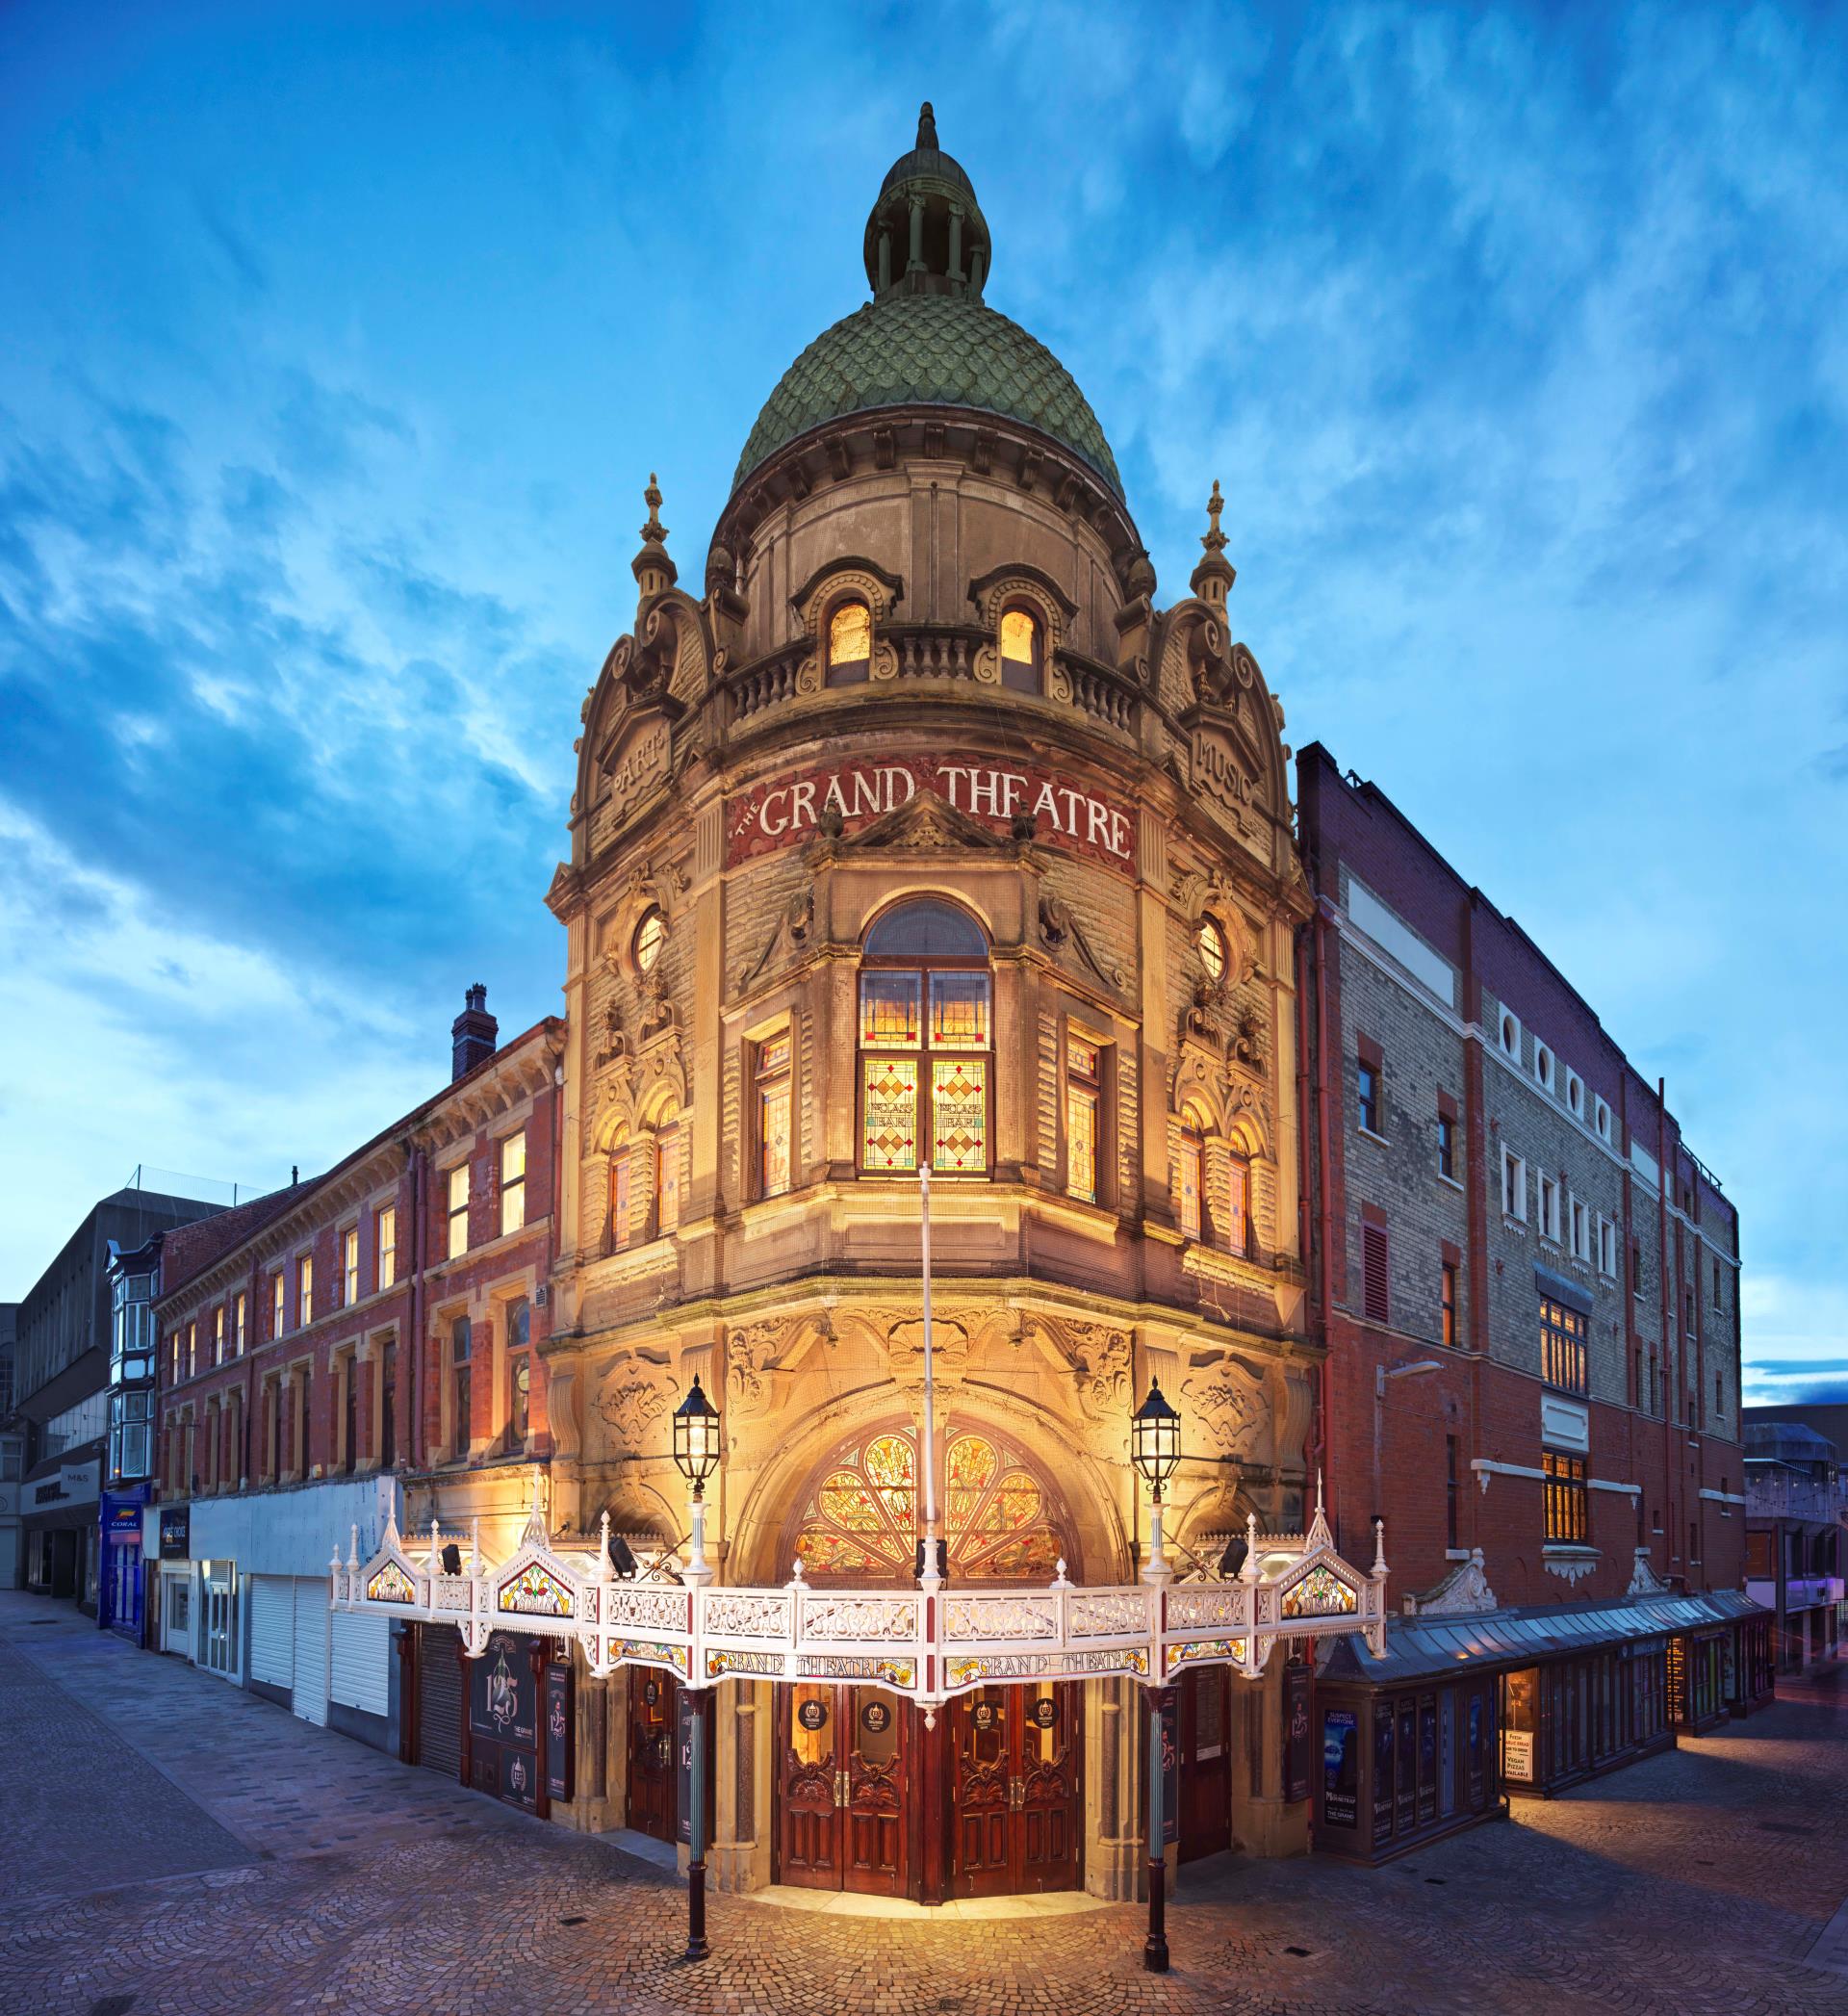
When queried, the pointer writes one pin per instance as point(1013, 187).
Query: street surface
point(168, 1844)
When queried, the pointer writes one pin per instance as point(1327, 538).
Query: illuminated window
point(239, 1327)
point(386, 1225)
point(458, 1192)
point(850, 644)
point(461, 1382)
point(1084, 1068)
point(1238, 1206)
point(1021, 650)
point(218, 1335)
point(667, 1178)
point(304, 1291)
point(1447, 1305)
point(191, 1349)
point(926, 1042)
point(520, 1394)
point(861, 1518)
point(1211, 942)
point(349, 1265)
point(513, 1183)
point(1568, 1517)
point(1562, 1346)
point(772, 1114)
point(277, 1321)
point(650, 935)
point(1192, 1179)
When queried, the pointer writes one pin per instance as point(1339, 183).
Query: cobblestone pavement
point(167, 1839)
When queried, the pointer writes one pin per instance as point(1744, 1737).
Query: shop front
point(59, 1506)
point(1753, 1673)
point(1724, 1666)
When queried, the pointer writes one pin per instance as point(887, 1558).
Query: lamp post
point(1155, 1448)
point(696, 1456)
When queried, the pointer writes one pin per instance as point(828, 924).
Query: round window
point(1211, 940)
point(650, 934)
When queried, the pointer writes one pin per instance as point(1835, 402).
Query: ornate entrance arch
point(858, 1518)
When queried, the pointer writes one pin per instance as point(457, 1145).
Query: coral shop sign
point(788, 808)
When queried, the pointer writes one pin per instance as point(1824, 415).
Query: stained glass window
point(861, 1520)
point(1238, 1215)
point(959, 1011)
point(667, 1179)
point(619, 1199)
point(907, 1096)
point(888, 1112)
point(1191, 1175)
point(773, 1116)
point(960, 1115)
point(1082, 1066)
point(889, 1011)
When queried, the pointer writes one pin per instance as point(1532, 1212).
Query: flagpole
point(928, 1573)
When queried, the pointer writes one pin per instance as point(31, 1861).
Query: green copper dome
point(928, 349)
point(926, 338)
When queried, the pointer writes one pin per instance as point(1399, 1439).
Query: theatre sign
point(787, 810)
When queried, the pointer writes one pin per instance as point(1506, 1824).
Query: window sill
point(1451, 1181)
point(1361, 1128)
point(1511, 1224)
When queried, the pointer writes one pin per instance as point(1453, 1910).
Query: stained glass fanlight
point(861, 1520)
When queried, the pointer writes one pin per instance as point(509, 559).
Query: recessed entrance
point(844, 1790)
point(1206, 1762)
point(1014, 1798)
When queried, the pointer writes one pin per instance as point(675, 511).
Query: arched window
point(1211, 940)
point(850, 643)
point(1021, 650)
point(860, 1521)
point(926, 1042)
point(650, 935)
point(616, 1230)
point(667, 1175)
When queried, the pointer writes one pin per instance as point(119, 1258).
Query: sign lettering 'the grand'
point(787, 810)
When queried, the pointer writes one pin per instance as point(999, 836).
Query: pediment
point(925, 823)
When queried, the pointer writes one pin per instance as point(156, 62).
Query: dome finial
point(652, 568)
point(1215, 574)
point(926, 125)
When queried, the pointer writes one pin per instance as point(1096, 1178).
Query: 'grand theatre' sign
point(787, 810)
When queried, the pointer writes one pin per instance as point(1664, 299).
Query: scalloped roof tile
point(928, 349)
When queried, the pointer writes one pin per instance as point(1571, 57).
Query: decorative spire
point(652, 568)
point(926, 125)
point(1215, 574)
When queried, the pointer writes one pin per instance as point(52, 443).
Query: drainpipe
point(1326, 1272)
point(420, 1169)
point(1671, 1362)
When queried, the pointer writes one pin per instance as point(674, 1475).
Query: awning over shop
point(1422, 1648)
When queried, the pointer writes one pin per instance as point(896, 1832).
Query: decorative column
point(1155, 1945)
point(915, 263)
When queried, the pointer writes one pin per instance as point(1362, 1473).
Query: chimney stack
point(475, 1032)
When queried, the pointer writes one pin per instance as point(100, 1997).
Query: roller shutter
point(312, 1616)
point(362, 1663)
point(439, 1699)
point(273, 1630)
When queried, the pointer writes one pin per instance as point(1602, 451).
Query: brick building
point(1528, 1287)
point(359, 1344)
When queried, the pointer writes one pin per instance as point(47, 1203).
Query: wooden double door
point(1015, 1810)
point(847, 1814)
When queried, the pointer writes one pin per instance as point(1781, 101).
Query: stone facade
point(1111, 811)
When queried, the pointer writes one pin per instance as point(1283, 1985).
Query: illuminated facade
point(926, 837)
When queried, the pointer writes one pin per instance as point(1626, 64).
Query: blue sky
point(335, 345)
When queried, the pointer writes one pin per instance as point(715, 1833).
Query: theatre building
point(1530, 1289)
point(926, 838)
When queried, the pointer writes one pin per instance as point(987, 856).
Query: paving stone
point(170, 1838)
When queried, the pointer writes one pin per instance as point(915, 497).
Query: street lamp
point(1155, 1448)
point(696, 1456)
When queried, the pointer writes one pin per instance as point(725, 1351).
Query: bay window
point(926, 1043)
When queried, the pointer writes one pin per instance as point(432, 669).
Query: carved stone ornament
point(1059, 929)
point(632, 1399)
point(1228, 1406)
point(1100, 1368)
point(1464, 1592)
point(1644, 1580)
